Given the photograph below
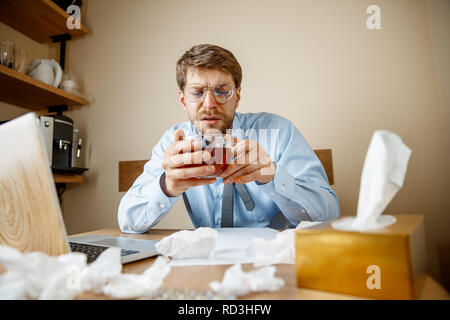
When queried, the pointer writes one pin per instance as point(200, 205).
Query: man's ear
point(238, 96)
point(182, 101)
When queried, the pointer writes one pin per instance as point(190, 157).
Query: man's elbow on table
point(132, 219)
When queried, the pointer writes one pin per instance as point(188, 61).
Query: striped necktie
point(228, 202)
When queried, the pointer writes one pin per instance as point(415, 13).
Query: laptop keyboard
point(93, 251)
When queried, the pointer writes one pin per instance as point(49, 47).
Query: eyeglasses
point(195, 92)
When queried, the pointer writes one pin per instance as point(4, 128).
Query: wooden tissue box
point(388, 263)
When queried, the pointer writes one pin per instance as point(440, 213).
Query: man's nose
point(210, 100)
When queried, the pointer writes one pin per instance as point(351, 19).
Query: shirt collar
point(237, 131)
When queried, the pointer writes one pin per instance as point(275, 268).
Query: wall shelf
point(22, 90)
point(63, 178)
point(37, 19)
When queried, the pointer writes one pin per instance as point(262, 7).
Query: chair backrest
point(326, 158)
point(130, 170)
point(128, 173)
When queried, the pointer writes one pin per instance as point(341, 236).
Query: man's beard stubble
point(224, 124)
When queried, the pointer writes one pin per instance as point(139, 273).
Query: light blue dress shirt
point(299, 191)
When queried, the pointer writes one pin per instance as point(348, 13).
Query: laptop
point(30, 215)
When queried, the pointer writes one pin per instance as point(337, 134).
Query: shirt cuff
point(282, 189)
point(162, 203)
point(283, 183)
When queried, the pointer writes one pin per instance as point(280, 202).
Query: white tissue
point(237, 282)
point(37, 275)
point(308, 224)
point(188, 244)
point(382, 176)
point(105, 268)
point(142, 286)
point(279, 250)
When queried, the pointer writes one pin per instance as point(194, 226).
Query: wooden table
point(199, 277)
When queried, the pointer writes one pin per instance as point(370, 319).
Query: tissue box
point(388, 263)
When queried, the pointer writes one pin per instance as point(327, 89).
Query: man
point(274, 178)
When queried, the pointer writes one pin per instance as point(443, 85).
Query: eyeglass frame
point(205, 89)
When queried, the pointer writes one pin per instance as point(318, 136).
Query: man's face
point(209, 116)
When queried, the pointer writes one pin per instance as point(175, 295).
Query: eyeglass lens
point(196, 92)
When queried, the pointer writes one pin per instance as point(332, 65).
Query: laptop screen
point(30, 215)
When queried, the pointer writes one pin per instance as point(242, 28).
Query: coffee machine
point(63, 146)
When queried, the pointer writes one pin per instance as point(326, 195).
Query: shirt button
point(303, 211)
point(283, 187)
point(162, 206)
point(272, 193)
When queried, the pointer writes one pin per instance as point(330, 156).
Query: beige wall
point(439, 19)
point(314, 62)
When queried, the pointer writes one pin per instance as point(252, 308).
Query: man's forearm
point(144, 205)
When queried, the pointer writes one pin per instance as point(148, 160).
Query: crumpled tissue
point(36, 275)
point(186, 244)
point(237, 283)
point(143, 286)
point(382, 177)
point(280, 250)
point(308, 224)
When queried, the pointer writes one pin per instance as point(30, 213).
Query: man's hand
point(179, 176)
point(252, 163)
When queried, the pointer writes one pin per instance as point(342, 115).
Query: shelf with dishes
point(24, 91)
point(37, 87)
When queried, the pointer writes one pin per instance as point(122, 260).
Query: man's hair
point(211, 57)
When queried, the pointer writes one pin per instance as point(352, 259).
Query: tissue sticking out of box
point(382, 177)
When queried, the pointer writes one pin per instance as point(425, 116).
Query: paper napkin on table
point(382, 177)
point(185, 244)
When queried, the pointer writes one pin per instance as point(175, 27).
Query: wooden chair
point(130, 170)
